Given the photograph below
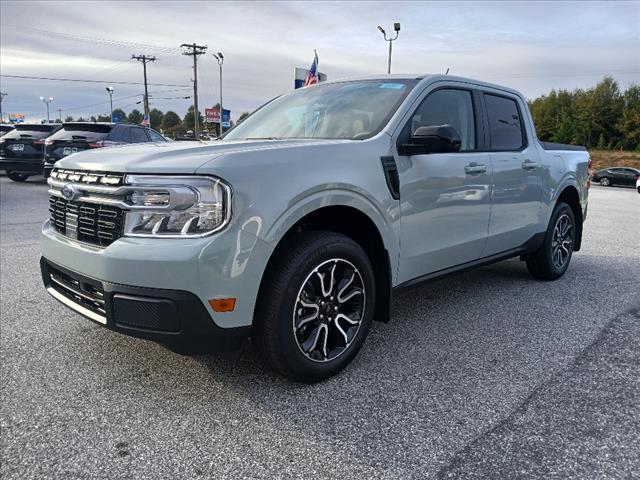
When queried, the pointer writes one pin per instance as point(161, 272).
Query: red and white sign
point(212, 115)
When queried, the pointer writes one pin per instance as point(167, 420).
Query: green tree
point(242, 116)
point(171, 123)
point(188, 123)
point(104, 118)
point(68, 118)
point(155, 117)
point(629, 123)
point(135, 117)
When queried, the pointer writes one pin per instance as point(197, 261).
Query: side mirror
point(435, 139)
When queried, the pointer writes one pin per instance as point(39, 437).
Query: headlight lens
point(177, 207)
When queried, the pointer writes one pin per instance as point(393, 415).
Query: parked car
point(21, 150)
point(638, 184)
point(4, 129)
point(78, 136)
point(300, 223)
point(621, 176)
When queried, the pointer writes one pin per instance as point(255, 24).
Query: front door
point(444, 197)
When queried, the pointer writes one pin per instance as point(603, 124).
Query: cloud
point(532, 46)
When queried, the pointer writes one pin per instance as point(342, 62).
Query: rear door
point(444, 197)
point(26, 141)
point(517, 178)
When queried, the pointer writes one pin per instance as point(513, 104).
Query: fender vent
point(391, 175)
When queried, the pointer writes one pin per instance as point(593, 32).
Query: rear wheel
point(552, 259)
point(17, 177)
point(315, 307)
point(605, 182)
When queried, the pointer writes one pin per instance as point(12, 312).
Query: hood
point(171, 157)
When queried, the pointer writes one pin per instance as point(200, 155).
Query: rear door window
point(138, 135)
point(505, 123)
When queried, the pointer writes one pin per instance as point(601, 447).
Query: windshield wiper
point(262, 138)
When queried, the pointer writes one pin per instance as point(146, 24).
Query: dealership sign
point(212, 115)
point(16, 117)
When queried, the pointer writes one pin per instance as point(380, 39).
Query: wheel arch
point(360, 227)
point(570, 196)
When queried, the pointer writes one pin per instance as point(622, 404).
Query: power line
point(90, 39)
point(115, 82)
point(194, 52)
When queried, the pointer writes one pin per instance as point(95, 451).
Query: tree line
point(602, 117)
point(168, 122)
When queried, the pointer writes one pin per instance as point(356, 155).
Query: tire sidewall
point(561, 208)
point(605, 182)
point(296, 361)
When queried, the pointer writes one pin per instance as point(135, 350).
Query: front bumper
point(174, 318)
point(33, 166)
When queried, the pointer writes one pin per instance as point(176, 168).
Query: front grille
point(86, 222)
point(89, 295)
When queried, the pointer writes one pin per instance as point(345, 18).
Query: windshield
point(350, 110)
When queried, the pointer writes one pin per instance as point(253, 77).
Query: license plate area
point(18, 147)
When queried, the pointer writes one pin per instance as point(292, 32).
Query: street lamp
point(47, 101)
point(110, 91)
point(220, 58)
point(396, 27)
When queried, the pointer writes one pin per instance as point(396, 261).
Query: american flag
point(145, 121)
point(312, 77)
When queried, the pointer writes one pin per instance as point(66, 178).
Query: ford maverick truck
point(297, 227)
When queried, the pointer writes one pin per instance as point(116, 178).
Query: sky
point(532, 46)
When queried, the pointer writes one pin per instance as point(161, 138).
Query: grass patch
point(614, 158)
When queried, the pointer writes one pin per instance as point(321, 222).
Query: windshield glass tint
point(349, 110)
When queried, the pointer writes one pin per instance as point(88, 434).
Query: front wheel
point(605, 182)
point(17, 177)
point(552, 259)
point(315, 307)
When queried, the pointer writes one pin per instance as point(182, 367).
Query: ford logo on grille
point(69, 192)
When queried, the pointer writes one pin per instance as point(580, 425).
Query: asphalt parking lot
point(486, 374)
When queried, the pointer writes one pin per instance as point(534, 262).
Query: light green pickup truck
point(296, 228)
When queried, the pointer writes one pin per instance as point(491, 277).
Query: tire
point(605, 182)
point(552, 259)
point(297, 334)
point(17, 177)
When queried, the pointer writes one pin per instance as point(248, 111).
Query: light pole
point(396, 27)
point(47, 101)
point(220, 58)
point(110, 91)
point(2, 95)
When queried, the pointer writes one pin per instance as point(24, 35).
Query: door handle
point(529, 165)
point(474, 168)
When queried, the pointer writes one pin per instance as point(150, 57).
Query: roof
point(430, 77)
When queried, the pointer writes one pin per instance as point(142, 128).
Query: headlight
point(177, 207)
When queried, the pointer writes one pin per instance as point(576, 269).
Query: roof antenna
point(447, 72)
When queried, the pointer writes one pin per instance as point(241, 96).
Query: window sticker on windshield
point(393, 86)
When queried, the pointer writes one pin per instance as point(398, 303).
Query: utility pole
point(220, 58)
point(144, 59)
point(60, 114)
point(2, 95)
point(195, 50)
